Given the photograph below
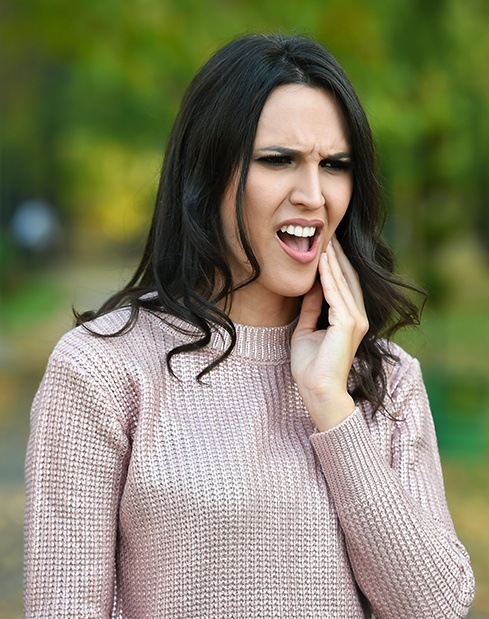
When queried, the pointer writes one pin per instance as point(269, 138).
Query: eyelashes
point(275, 160)
point(337, 164)
point(340, 164)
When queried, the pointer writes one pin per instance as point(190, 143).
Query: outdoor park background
point(89, 92)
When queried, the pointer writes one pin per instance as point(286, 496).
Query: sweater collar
point(264, 344)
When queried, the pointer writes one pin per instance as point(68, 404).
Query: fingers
point(310, 310)
point(348, 272)
point(342, 289)
point(338, 309)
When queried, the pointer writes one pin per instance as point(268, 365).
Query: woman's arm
point(75, 469)
point(399, 535)
point(400, 538)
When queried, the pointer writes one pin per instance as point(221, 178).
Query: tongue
point(295, 242)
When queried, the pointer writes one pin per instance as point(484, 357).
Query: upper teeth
point(299, 230)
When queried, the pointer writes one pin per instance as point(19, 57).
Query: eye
point(275, 160)
point(342, 164)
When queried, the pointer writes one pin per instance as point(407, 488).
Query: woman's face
point(298, 189)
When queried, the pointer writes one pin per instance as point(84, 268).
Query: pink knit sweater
point(150, 497)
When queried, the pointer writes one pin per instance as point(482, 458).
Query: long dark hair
point(184, 260)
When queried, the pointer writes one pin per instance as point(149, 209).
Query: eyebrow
point(292, 152)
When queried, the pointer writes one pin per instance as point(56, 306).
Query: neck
point(255, 311)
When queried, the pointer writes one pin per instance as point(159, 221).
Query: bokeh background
point(89, 91)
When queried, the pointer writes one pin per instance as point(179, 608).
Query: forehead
point(300, 116)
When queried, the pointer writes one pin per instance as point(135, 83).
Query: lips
point(300, 239)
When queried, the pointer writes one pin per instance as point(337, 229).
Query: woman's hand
point(321, 360)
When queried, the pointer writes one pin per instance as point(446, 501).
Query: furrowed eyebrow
point(339, 157)
point(281, 150)
point(292, 152)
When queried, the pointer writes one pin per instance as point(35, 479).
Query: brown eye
point(276, 160)
point(338, 165)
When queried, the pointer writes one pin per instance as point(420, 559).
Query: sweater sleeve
point(400, 538)
point(75, 469)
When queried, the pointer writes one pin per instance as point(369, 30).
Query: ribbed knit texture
point(154, 497)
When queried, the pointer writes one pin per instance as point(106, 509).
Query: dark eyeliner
point(274, 159)
point(339, 164)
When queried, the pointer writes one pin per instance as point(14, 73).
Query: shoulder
point(405, 410)
point(109, 347)
point(402, 379)
point(103, 361)
point(97, 338)
point(398, 364)
point(406, 391)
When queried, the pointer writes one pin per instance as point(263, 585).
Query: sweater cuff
point(351, 462)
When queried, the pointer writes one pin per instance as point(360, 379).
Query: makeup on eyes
point(281, 156)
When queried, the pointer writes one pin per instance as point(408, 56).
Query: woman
point(230, 436)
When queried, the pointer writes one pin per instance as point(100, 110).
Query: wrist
point(328, 413)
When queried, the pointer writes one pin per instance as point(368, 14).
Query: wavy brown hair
point(184, 260)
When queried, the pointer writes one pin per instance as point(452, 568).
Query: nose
point(307, 190)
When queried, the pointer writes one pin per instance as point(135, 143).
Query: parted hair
point(185, 260)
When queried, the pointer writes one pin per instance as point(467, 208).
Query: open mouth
point(297, 238)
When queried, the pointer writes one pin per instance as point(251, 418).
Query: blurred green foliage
point(90, 90)
point(88, 94)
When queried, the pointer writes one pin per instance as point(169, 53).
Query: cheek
point(259, 201)
point(265, 190)
point(340, 204)
point(228, 223)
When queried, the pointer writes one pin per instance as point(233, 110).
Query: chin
point(295, 289)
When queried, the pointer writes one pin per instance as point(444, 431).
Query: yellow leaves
point(113, 187)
